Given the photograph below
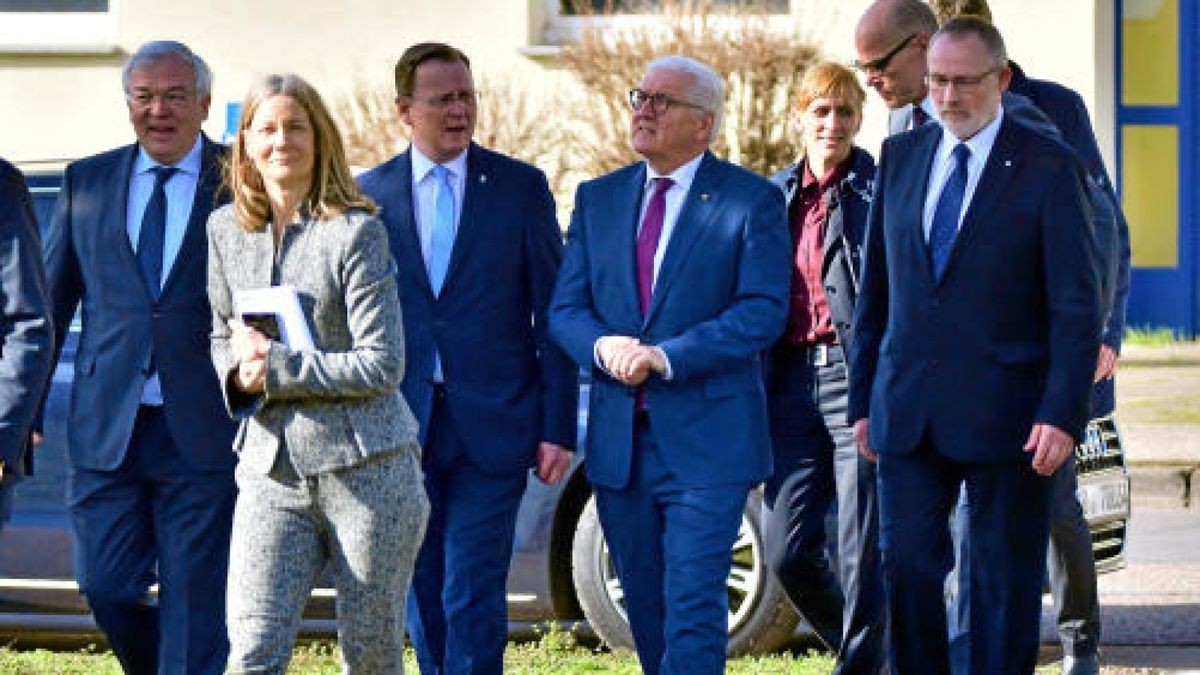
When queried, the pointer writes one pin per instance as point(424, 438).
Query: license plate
point(1104, 499)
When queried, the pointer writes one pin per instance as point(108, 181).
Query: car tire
point(762, 619)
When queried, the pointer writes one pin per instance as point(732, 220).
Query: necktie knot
point(162, 174)
point(962, 155)
point(662, 184)
point(442, 174)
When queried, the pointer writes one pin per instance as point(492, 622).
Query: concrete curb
point(1164, 484)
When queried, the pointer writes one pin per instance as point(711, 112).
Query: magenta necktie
point(647, 240)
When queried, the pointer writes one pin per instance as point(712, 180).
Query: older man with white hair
point(678, 418)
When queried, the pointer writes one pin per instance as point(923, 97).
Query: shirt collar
point(681, 177)
point(980, 144)
point(422, 165)
point(190, 164)
point(926, 104)
point(832, 176)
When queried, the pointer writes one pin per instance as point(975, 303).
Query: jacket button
point(831, 290)
point(933, 363)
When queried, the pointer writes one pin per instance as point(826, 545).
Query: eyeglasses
point(659, 102)
point(880, 64)
point(172, 98)
point(467, 97)
point(963, 83)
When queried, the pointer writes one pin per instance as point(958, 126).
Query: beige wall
point(65, 106)
point(1069, 41)
point(70, 106)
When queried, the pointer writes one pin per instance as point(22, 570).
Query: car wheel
point(761, 619)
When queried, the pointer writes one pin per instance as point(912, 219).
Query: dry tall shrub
point(760, 64)
point(508, 121)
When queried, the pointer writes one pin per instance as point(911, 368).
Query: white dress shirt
point(181, 195)
point(682, 177)
point(425, 189)
point(980, 146)
point(681, 183)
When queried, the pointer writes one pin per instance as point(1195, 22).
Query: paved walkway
point(1158, 414)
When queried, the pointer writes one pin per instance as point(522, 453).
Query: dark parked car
point(560, 569)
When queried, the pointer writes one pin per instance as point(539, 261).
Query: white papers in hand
point(283, 303)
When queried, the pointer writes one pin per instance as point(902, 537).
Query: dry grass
point(760, 66)
point(582, 131)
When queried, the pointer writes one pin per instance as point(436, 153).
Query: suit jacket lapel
point(477, 196)
point(926, 151)
point(626, 207)
point(203, 203)
point(695, 213)
point(114, 218)
point(400, 209)
point(997, 172)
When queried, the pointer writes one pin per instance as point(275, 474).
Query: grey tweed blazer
point(339, 405)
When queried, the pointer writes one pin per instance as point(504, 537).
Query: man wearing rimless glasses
point(892, 41)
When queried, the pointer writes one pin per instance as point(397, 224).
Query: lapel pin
point(482, 178)
point(1008, 162)
point(703, 196)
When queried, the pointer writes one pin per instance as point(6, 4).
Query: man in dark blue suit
point(26, 334)
point(1071, 563)
point(675, 279)
point(151, 492)
point(978, 328)
point(477, 244)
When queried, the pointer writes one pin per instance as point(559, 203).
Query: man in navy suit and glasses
point(978, 328)
point(151, 491)
point(477, 245)
point(675, 279)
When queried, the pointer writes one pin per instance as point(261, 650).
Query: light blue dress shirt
point(181, 194)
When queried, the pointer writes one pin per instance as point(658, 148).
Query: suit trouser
point(364, 521)
point(153, 519)
point(458, 609)
point(1072, 567)
point(1070, 564)
point(7, 485)
point(1007, 531)
point(814, 453)
point(671, 544)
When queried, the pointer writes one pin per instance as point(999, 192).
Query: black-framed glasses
point(659, 102)
point(467, 97)
point(964, 83)
point(880, 64)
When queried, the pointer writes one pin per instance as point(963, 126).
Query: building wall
point(69, 105)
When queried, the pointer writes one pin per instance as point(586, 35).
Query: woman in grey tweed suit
point(328, 470)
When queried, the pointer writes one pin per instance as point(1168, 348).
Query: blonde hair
point(333, 190)
point(830, 79)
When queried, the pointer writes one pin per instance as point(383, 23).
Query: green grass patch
point(1151, 336)
point(556, 652)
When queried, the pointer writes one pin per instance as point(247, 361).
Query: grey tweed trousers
point(366, 521)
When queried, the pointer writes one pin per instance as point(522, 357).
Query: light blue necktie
point(946, 214)
point(441, 240)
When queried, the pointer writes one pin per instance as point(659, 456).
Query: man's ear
point(403, 106)
point(1005, 77)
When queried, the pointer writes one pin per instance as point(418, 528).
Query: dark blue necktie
point(919, 117)
point(946, 215)
point(153, 235)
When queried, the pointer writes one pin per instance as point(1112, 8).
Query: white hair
point(153, 52)
point(707, 89)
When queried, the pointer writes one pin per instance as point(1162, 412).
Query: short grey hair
point(707, 89)
point(967, 25)
point(153, 52)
